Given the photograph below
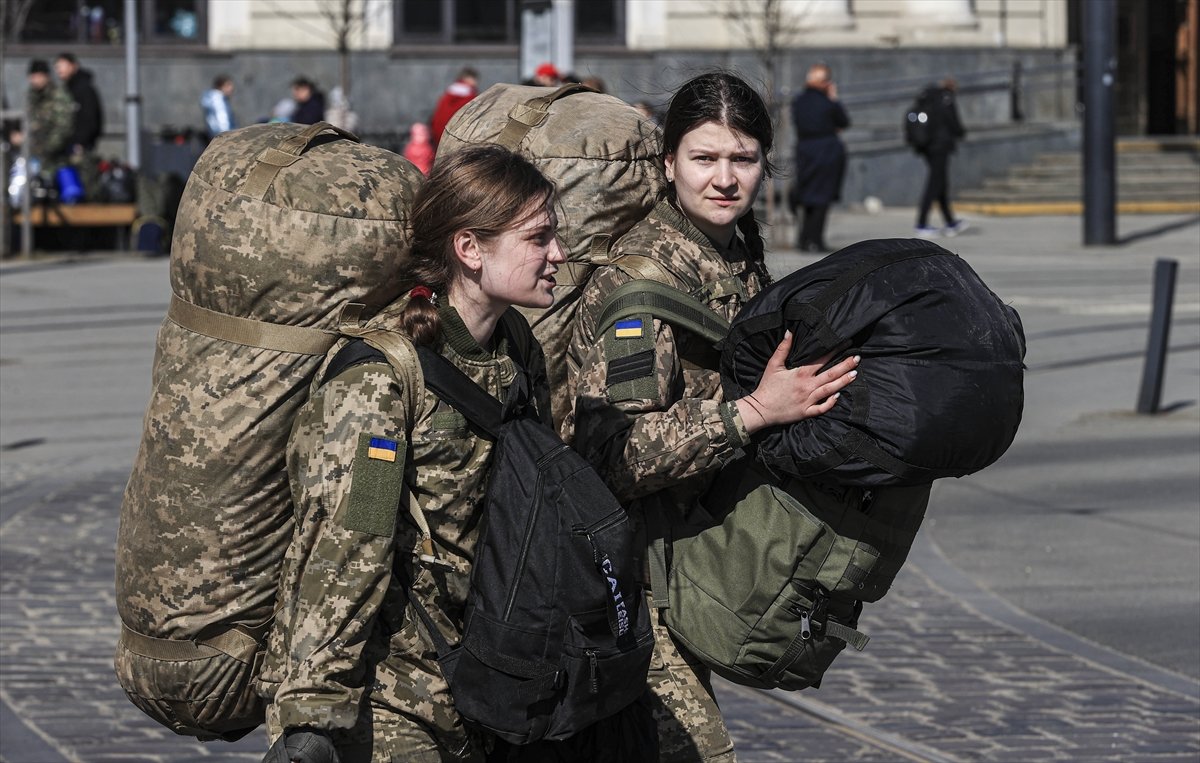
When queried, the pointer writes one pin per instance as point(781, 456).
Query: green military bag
point(766, 581)
point(281, 228)
point(604, 158)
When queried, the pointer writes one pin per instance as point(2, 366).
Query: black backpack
point(557, 632)
point(918, 123)
point(939, 391)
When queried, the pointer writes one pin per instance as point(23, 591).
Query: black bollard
point(1160, 329)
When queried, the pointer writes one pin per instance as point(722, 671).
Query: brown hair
point(481, 189)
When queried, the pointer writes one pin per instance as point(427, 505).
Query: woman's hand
point(787, 395)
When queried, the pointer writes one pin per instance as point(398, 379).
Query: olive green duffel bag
point(767, 585)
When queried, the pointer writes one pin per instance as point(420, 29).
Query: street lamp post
point(1099, 155)
point(133, 96)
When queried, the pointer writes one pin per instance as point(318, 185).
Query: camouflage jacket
point(346, 640)
point(51, 121)
point(649, 410)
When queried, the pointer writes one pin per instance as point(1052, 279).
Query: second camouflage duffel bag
point(280, 227)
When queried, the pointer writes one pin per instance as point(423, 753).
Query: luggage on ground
point(603, 156)
point(281, 227)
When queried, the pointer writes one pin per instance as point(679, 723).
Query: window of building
point(102, 22)
point(498, 22)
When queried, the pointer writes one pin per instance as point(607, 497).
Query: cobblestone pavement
point(952, 673)
point(940, 679)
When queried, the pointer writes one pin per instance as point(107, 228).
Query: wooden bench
point(120, 216)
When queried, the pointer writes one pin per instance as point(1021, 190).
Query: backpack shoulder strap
point(461, 392)
point(520, 335)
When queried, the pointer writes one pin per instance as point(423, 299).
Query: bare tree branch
point(16, 13)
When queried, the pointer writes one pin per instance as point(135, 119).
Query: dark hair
point(483, 189)
point(730, 101)
point(304, 82)
point(68, 57)
point(220, 81)
point(39, 66)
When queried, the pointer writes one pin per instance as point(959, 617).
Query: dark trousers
point(812, 229)
point(937, 188)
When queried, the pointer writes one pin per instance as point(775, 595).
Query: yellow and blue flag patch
point(629, 329)
point(382, 449)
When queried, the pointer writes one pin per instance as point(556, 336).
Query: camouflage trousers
point(690, 726)
point(383, 738)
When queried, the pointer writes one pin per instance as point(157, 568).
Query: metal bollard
point(1160, 328)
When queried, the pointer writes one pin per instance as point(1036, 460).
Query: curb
point(1026, 209)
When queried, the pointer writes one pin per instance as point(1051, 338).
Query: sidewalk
point(1090, 525)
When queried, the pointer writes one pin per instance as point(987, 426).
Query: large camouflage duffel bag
point(280, 227)
point(603, 156)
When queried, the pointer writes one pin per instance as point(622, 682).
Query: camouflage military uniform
point(51, 120)
point(347, 653)
point(660, 438)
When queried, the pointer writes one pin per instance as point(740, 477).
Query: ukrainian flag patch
point(382, 449)
point(629, 329)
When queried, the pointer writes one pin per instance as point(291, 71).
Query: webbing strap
point(273, 159)
point(664, 302)
point(231, 641)
point(249, 332)
point(854, 638)
point(525, 116)
point(656, 558)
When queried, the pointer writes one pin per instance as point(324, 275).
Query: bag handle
point(525, 116)
point(273, 159)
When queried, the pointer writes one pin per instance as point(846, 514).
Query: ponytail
point(420, 319)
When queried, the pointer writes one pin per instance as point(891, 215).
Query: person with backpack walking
point(351, 673)
point(820, 155)
point(649, 411)
point(944, 131)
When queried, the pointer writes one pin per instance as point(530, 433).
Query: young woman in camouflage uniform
point(351, 674)
point(649, 410)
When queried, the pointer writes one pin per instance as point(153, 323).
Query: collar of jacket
point(668, 214)
point(459, 338)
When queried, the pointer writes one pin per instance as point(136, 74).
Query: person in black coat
point(310, 102)
point(89, 116)
point(945, 131)
point(820, 155)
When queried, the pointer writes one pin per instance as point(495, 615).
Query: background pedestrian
point(820, 155)
point(89, 114)
point(464, 87)
point(310, 102)
point(218, 113)
point(945, 131)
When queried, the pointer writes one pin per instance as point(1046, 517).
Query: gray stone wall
point(392, 89)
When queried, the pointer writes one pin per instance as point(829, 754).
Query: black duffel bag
point(939, 391)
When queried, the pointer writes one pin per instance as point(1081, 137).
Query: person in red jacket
point(463, 89)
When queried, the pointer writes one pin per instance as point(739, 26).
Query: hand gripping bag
point(604, 157)
point(280, 228)
point(939, 391)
